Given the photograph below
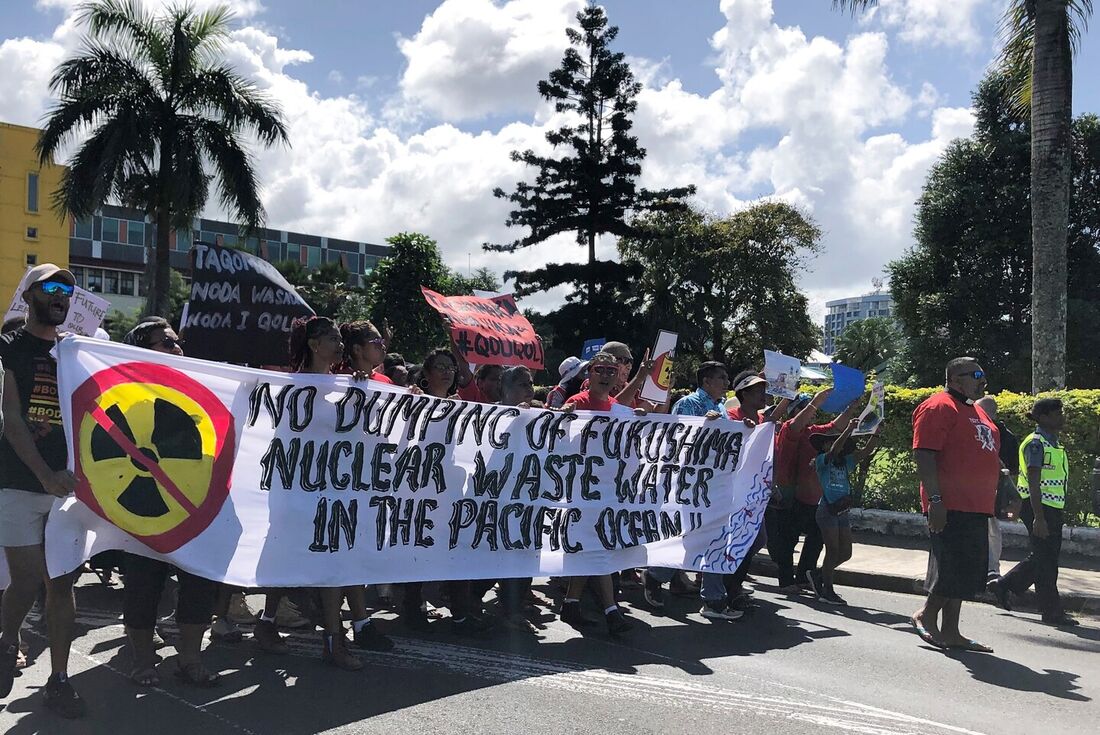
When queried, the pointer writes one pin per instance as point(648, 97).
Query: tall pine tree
point(590, 188)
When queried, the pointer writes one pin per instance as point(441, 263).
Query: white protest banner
point(86, 310)
point(782, 373)
point(874, 413)
point(258, 478)
point(659, 379)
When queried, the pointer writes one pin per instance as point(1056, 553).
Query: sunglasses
point(168, 343)
point(56, 288)
point(377, 342)
point(605, 370)
point(976, 374)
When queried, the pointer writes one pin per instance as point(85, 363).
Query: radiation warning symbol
point(154, 452)
point(662, 371)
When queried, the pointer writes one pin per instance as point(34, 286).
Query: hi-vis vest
point(1054, 476)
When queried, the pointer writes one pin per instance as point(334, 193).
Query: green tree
point(966, 286)
point(158, 107)
point(726, 285)
point(481, 279)
point(869, 344)
point(396, 297)
point(325, 288)
point(590, 188)
point(1037, 60)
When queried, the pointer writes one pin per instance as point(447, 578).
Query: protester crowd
point(967, 481)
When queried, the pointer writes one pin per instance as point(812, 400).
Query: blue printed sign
point(592, 346)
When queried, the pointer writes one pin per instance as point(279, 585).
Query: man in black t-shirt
point(33, 461)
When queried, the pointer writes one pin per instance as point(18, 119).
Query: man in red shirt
point(603, 373)
point(956, 448)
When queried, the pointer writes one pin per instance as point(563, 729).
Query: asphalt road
point(792, 666)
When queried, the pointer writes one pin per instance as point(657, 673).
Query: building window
point(313, 256)
point(32, 192)
point(110, 281)
point(78, 274)
point(32, 258)
point(110, 230)
point(82, 229)
point(293, 252)
point(95, 280)
point(141, 286)
point(135, 232)
point(183, 240)
point(126, 283)
point(32, 233)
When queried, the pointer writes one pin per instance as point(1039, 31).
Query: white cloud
point(25, 69)
point(804, 119)
point(833, 107)
point(933, 22)
point(471, 58)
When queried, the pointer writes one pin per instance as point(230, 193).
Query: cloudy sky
point(402, 114)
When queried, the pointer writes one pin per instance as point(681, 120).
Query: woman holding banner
point(144, 578)
point(364, 350)
point(438, 379)
point(316, 347)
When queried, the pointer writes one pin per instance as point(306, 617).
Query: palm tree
point(158, 106)
point(1040, 37)
point(868, 344)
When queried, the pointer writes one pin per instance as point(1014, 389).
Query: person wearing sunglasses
point(603, 374)
point(33, 461)
point(144, 578)
point(956, 447)
point(364, 351)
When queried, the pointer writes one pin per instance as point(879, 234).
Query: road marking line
point(152, 690)
point(814, 708)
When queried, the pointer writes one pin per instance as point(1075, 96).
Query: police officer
point(1044, 474)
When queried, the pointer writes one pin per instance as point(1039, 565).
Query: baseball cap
point(48, 272)
point(570, 368)
point(603, 358)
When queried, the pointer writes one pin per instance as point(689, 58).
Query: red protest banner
point(488, 331)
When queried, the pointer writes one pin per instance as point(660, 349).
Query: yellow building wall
point(17, 159)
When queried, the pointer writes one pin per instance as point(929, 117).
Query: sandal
point(970, 645)
point(145, 676)
point(924, 634)
point(196, 675)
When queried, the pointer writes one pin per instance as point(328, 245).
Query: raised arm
point(805, 417)
point(634, 387)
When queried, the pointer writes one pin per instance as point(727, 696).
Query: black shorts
point(958, 563)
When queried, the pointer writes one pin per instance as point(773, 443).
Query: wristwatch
point(935, 500)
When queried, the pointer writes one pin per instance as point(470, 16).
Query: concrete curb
point(1074, 603)
point(1076, 540)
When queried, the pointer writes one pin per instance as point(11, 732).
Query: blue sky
point(402, 113)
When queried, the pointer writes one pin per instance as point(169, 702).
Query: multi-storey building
point(108, 251)
point(30, 232)
point(842, 312)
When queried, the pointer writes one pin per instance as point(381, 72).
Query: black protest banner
point(240, 309)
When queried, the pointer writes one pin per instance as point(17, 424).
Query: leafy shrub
point(890, 481)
